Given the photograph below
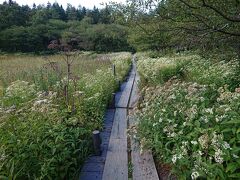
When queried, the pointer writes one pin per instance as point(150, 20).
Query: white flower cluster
point(218, 156)
point(204, 141)
point(21, 89)
point(194, 175)
point(175, 157)
point(44, 102)
point(191, 120)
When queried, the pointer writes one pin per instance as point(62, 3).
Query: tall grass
point(27, 67)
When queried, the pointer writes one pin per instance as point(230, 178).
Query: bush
point(159, 70)
point(208, 71)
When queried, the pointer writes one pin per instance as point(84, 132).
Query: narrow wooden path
point(114, 161)
point(116, 165)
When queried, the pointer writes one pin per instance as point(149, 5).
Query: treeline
point(26, 29)
point(202, 25)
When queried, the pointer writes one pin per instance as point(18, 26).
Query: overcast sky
point(86, 3)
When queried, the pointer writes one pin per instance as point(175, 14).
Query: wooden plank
point(119, 127)
point(123, 102)
point(91, 176)
point(135, 92)
point(116, 165)
point(93, 167)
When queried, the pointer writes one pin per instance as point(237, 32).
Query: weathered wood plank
point(123, 102)
point(119, 127)
point(91, 176)
point(93, 167)
point(135, 92)
point(116, 165)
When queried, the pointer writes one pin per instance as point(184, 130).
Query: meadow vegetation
point(190, 114)
point(190, 82)
point(47, 114)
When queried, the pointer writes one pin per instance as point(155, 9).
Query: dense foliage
point(46, 132)
point(146, 24)
point(28, 29)
point(180, 24)
point(190, 119)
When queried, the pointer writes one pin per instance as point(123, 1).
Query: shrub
point(208, 71)
point(159, 70)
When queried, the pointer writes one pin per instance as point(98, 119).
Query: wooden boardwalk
point(116, 165)
point(113, 163)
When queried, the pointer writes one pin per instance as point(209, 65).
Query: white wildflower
point(174, 159)
point(202, 99)
point(203, 141)
point(227, 109)
point(194, 142)
point(180, 132)
point(235, 156)
point(172, 97)
point(169, 134)
point(226, 145)
point(209, 110)
point(194, 175)
point(200, 153)
point(175, 113)
point(39, 102)
point(165, 129)
point(185, 143)
point(218, 156)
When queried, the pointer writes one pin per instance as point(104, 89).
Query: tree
point(94, 15)
point(57, 12)
point(12, 14)
point(71, 12)
point(40, 17)
point(105, 15)
point(202, 24)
